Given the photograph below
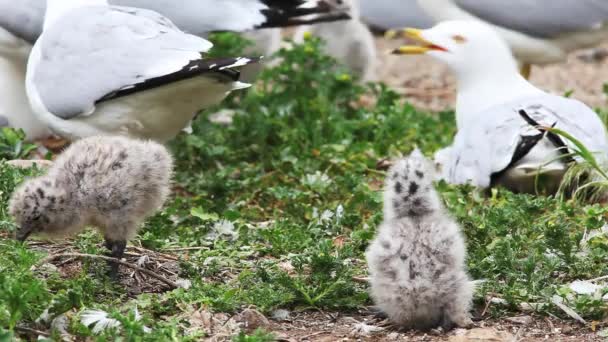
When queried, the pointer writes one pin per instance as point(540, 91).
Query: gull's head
point(462, 45)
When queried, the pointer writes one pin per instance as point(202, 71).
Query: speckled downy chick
point(417, 260)
point(348, 41)
point(111, 183)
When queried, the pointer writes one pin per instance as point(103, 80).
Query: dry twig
point(102, 257)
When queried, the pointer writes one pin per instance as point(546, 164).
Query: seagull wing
point(24, 18)
point(500, 136)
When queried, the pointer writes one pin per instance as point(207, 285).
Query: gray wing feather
point(389, 14)
point(23, 18)
point(200, 17)
point(540, 18)
point(94, 51)
point(487, 145)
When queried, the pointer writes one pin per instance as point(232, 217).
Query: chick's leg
point(117, 250)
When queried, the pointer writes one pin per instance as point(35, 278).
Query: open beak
point(415, 35)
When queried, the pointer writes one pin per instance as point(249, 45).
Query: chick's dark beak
point(23, 233)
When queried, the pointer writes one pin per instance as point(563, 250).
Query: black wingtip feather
point(223, 68)
point(554, 138)
point(284, 13)
point(286, 21)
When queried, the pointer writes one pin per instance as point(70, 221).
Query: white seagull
point(21, 24)
point(538, 31)
point(102, 70)
point(498, 111)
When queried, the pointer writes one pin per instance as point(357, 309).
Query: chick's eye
point(459, 39)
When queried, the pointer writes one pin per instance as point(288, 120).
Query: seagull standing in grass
point(498, 110)
point(100, 69)
point(21, 23)
point(538, 31)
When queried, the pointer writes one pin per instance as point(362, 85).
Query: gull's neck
point(489, 84)
point(56, 8)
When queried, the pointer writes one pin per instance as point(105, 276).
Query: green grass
point(296, 175)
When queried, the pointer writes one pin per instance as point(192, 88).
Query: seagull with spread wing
point(496, 141)
point(102, 70)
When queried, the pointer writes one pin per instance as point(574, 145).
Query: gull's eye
point(459, 39)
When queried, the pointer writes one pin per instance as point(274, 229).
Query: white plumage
point(21, 23)
point(122, 71)
point(417, 260)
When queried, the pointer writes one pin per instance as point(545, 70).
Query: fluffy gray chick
point(417, 260)
point(111, 183)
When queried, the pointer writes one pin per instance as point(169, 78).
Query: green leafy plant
point(12, 145)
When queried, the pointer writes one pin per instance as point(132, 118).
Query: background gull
point(388, 14)
point(21, 24)
point(494, 143)
point(100, 69)
point(348, 41)
point(199, 17)
point(538, 31)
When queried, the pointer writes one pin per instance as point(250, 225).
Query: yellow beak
point(415, 35)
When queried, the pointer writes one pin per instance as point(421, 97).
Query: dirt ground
point(296, 326)
point(428, 84)
point(326, 327)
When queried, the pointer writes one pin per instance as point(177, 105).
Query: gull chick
point(417, 260)
point(495, 145)
point(350, 42)
point(111, 183)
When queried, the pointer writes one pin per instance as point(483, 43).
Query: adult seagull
point(496, 142)
point(538, 31)
point(100, 69)
point(21, 24)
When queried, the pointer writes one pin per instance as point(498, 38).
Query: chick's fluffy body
point(348, 41)
point(417, 260)
point(111, 183)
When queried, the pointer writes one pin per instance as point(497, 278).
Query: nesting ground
point(277, 196)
